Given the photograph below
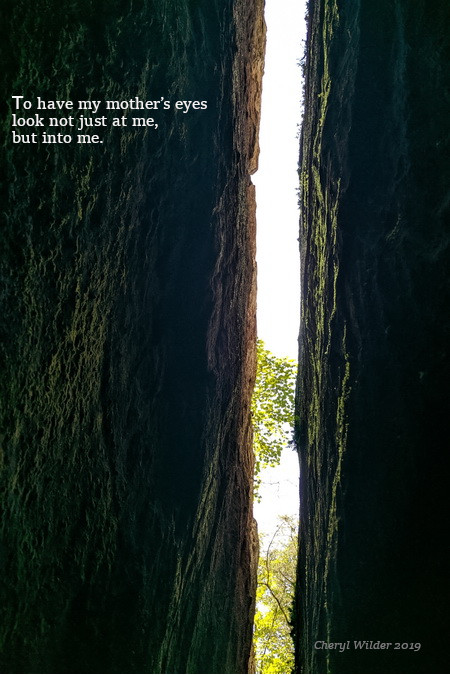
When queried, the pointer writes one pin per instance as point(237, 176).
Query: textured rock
point(127, 344)
point(374, 357)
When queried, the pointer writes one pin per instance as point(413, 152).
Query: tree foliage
point(274, 650)
point(272, 408)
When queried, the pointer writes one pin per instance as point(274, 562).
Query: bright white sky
point(278, 260)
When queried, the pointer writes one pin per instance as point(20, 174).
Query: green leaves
point(273, 422)
point(274, 650)
point(272, 408)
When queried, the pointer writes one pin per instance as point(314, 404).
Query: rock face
point(127, 343)
point(374, 362)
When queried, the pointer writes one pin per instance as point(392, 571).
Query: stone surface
point(374, 362)
point(127, 344)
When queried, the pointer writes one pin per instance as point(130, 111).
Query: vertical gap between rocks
point(278, 315)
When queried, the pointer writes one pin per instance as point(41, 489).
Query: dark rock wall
point(127, 344)
point(374, 364)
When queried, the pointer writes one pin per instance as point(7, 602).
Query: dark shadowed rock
point(374, 362)
point(127, 343)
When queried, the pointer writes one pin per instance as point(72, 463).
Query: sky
point(276, 180)
point(277, 216)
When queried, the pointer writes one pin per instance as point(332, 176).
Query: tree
point(272, 408)
point(274, 650)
